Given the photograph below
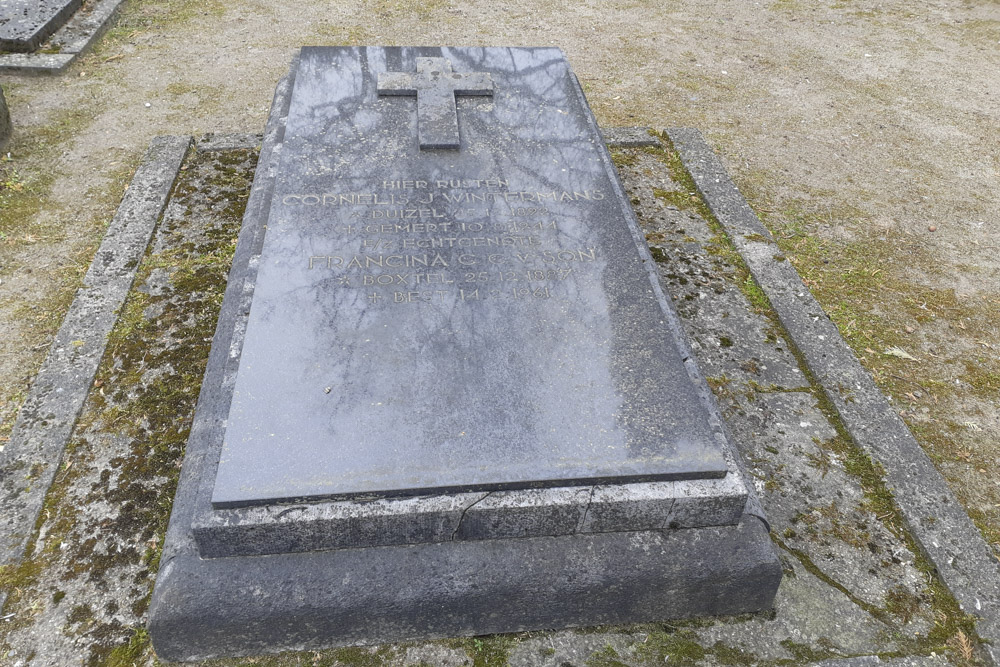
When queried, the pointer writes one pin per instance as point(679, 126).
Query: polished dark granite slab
point(25, 24)
point(439, 320)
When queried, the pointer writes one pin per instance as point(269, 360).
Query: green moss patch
point(865, 276)
point(106, 513)
point(927, 345)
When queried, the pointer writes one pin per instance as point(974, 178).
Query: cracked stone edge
point(936, 520)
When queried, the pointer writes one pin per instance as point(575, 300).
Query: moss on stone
point(623, 159)
point(864, 276)
point(144, 396)
point(804, 654)
point(126, 655)
point(902, 603)
point(672, 645)
point(605, 657)
point(490, 650)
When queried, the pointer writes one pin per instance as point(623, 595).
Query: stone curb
point(936, 519)
point(74, 37)
point(628, 137)
point(875, 661)
point(228, 141)
point(29, 462)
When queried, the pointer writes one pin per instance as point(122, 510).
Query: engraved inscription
point(392, 199)
point(453, 238)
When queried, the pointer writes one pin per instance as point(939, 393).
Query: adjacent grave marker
point(457, 361)
point(25, 24)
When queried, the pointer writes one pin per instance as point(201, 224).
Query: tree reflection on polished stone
point(436, 85)
point(442, 321)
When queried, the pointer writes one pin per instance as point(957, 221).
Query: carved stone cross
point(435, 85)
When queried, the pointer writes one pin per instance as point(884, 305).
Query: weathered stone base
point(249, 605)
point(28, 24)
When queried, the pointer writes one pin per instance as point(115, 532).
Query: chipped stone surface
point(470, 516)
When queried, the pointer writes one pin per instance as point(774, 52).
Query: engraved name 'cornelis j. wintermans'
point(436, 85)
point(392, 199)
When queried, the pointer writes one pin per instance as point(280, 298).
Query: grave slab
point(25, 24)
point(552, 451)
point(476, 319)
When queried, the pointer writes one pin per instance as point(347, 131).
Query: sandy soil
point(864, 133)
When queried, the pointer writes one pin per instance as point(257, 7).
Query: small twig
point(900, 377)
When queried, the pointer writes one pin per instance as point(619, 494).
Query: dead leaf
point(900, 353)
point(962, 645)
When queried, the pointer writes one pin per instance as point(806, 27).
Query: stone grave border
point(934, 517)
point(45, 422)
point(74, 37)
